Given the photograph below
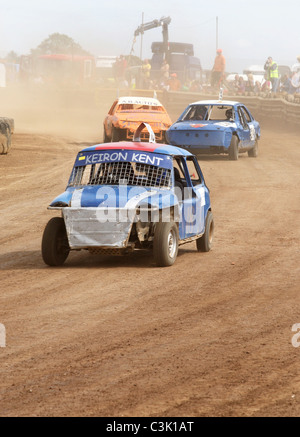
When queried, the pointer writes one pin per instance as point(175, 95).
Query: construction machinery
point(179, 56)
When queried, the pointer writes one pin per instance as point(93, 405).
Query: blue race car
point(126, 195)
point(215, 127)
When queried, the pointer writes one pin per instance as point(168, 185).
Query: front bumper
point(97, 227)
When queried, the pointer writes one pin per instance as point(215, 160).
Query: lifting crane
point(164, 22)
point(179, 56)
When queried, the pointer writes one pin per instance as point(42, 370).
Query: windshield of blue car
point(121, 173)
point(221, 113)
point(195, 112)
point(209, 112)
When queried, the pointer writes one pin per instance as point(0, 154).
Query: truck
point(181, 60)
point(180, 56)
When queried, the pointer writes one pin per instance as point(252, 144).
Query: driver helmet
point(228, 113)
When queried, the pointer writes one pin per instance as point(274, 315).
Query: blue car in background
point(126, 196)
point(215, 127)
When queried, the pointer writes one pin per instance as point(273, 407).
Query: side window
point(242, 118)
point(193, 171)
point(246, 114)
point(179, 170)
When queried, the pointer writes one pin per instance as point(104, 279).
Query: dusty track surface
point(106, 336)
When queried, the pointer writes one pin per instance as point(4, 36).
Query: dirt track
point(210, 336)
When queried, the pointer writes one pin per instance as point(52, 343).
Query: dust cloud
point(57, 111)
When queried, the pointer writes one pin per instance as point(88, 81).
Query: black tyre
point(165, 244)
point(204, 243)
point(233, 151)
point(253, 153)
point(55, 245)
point(116, 136)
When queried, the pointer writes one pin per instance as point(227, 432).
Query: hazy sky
point(247, 31)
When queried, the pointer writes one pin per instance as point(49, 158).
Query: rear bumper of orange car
point(129, 129)
point(144, 136)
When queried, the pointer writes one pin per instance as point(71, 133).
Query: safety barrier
point(260, 107)
point(95, 98)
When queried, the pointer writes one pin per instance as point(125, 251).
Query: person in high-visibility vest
point(271, 68)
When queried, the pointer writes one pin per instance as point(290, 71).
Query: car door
point(246, 129)
point(193, 200)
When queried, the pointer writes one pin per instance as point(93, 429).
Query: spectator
point(218, 70)
point(236, 83)
point(271, 69)
point(295, 82)
point(266, 86)
point(165, 70)
point(242, 86)
point(296, 67)
point(285, 85)
point(195, 86)
point(250, 83)
point(174, 83)
point(257, 87)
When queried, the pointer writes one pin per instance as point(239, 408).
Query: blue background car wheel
point(254, 152)
point(233, 150)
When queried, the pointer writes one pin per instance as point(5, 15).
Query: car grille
point(116, 173)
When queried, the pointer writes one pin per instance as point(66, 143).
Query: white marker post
point(2, 335)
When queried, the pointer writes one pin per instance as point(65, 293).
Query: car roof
point(164, 149)
point(151, 101)
point(215, 102)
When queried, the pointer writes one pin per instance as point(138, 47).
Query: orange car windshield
point(136, 107)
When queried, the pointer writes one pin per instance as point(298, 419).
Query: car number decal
point(252, 132)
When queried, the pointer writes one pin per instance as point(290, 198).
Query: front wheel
point(105, 137)
point(55, 245)
point(115, 136)
point(233, 151)
point(204, 243)
point(165, 244)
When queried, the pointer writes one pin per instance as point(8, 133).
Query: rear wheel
point(165, 244)
point(253, 153)
point(55, 245)
point(233, 151)
point(204, 243)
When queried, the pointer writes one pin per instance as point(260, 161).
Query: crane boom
point(164, 22)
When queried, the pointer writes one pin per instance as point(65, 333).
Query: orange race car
point(127, 113)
